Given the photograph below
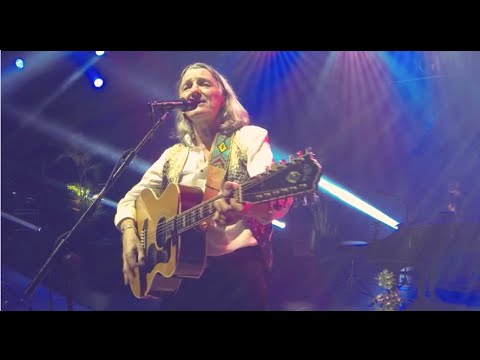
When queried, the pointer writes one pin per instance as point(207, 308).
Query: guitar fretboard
point(188, 220)
point(254, 190)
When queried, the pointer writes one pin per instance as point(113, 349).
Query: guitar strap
point(218, 165)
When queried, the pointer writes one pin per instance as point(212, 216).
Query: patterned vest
point(237, 171)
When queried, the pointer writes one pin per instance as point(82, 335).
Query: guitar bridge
point(144, 233)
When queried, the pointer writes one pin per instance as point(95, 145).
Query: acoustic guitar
point(172, 227)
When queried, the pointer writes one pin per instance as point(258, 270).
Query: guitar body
point(168, 257)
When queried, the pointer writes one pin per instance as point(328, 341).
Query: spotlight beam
point(342, 194)
point(21, 222)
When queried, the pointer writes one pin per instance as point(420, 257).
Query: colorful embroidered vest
point(237, 171)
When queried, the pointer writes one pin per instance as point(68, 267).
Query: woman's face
point(199, 83)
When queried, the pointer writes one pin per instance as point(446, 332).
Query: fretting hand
point(228, 209)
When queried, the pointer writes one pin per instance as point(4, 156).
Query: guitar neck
point(193, 216)
point(292, 179)
point(201, 212)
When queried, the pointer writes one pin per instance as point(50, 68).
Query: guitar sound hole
point(163, 256)
point(161, 238)
point(155, 256)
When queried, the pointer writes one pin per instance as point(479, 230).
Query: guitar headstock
point(298, 176)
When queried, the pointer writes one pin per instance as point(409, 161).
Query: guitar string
point(205, 206)
point(191, 213)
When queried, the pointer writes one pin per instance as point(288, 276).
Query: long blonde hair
point(234, 115)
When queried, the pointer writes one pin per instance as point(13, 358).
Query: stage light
point(19, 221)
point(99, 53)
point(98, 82)
point(19, 63)
point(337, 191)
point(279, 224)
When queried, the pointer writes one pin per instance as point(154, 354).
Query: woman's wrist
point(128, 226)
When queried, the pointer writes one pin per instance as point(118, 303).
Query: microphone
point(182, 104)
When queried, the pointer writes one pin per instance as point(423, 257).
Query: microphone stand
point(127, 159)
